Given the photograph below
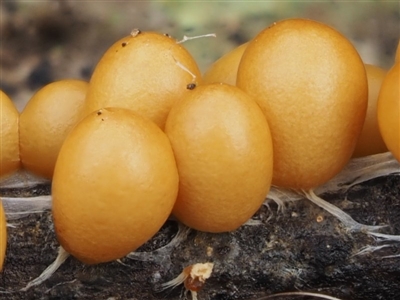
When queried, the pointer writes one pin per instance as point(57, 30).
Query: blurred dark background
point(55, 39)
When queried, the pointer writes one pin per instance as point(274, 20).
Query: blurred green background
point(43, 41)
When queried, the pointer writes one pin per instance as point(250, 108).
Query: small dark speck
point(167, 35)
point(123, 44)
point(223, 250)
point(191, 86)
point(102, 119)
point(99, 112)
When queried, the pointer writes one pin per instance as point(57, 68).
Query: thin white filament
point(317, 295)
point(162, 254)
point(187, 38)
point(345, 218)
point(386, 237)
point(22, 179)
point(370, 249)
point(50, 270)
point(361, 169)
point(18, 207)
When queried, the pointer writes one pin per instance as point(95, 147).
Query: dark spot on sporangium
point(102, 119)
point(99, 112)
point(123, 44)
point(191, 86)
point(167, 35)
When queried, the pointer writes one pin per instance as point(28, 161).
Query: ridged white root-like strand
point(361, 169)
point(175, 282)
point(194, 295)
point(16, 208)
point(309, 294)
point(358, 170)
point(281, 196)
point(391, 256)
point(253, 222)
point(19, 207)
point(163, 254)
point(22, 179)
point(50, 270)
point(370, 249)
point(59, 284)
point(345, 218)
point(386, 237)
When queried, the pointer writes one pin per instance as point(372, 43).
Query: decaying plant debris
point(300, 247)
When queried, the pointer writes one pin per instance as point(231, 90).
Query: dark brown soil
point(303, 248)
